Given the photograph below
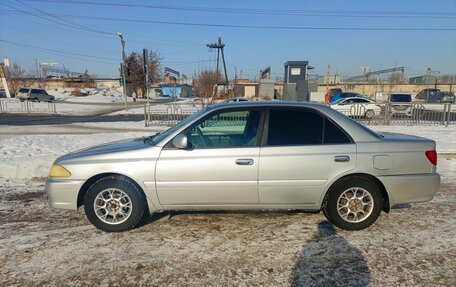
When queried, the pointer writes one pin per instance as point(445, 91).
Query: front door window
point(227, 129)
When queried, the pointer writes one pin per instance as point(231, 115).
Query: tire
point(362, 214)
point(124, 204)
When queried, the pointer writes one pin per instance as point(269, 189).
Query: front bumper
point(63, 193)
point(411, 188)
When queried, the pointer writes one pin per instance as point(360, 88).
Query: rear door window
point(302, 127)
point(36, 91)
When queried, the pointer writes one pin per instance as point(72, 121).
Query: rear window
point(23, 90)
point(400, 98)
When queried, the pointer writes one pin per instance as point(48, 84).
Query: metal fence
point(167, 116)
point(394, 114)
point(403, 114)
point(17, 106)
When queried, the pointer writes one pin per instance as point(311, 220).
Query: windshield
point(158, 138)
point(400, 98)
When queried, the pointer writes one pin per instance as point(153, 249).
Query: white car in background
point(357, 107)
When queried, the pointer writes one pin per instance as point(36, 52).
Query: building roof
point(296, 63)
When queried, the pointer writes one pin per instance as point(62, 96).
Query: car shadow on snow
point(330, 260)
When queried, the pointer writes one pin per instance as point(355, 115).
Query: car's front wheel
point(114, 204)
point(353, 203)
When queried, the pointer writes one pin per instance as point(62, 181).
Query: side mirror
point(180, 141)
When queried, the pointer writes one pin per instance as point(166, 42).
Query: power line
point(320, 28)
point(17, 15)
point(84, 28)
point(66, 54)
point(263, 11)
point(76, 25)
point(188, 62)
point(45, 18)
point(58, 41)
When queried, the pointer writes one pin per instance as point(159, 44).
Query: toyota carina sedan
point(249, 155)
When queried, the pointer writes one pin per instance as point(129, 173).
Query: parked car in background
point(34, 94)
point(237, 99)
point(331, 92)
point(357, 107)
point(2, 93)
point(442, 97)
point(344, 95)
point(249, 155)
point(400, 103)
point(425, 94)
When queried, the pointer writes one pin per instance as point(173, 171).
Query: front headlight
point(59, 171)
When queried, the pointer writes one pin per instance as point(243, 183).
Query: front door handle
point(244, 161)
point(341, 158)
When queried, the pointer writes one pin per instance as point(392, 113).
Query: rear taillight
point(432, 156)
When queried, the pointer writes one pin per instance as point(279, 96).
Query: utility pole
point(146, 72)
point(220, 50)
point(3, 76)
point(122, 43)
point(37, 71)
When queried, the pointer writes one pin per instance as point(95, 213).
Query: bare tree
point(135, 73)
point(447, 79)
point(205, 82)
point(396, 78)
point(15, 75)
point(154, 66)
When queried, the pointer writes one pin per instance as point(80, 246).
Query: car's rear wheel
point(353, 203)
point(114, 204)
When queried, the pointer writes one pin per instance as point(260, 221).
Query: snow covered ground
point(445, 137)
point(93, 95)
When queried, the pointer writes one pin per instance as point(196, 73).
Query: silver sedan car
point(249, 155)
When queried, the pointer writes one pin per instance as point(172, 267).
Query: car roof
point(357, 98)
point(400, 93)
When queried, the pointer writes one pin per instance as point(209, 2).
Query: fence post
point(1, 106)
point(447, 114)
point(387, 114)
point(146, 124)
point(27, 107)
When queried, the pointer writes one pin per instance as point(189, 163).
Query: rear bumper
point(63, 193)
point(411, 188)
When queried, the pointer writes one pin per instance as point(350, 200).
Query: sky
point(81, 34)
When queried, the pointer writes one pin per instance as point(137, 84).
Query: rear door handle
point(341, 158)
point(244, 161)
